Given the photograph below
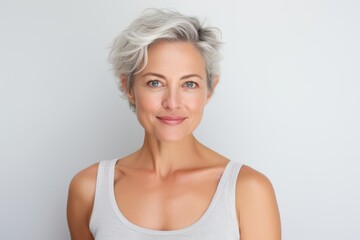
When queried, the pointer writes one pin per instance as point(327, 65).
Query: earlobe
point(125, 89)
point(214, 84)
point(124, 83)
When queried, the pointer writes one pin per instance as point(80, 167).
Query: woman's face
point(171, 92)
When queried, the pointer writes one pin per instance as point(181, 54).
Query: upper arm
point(257, 209)
point(80, 203)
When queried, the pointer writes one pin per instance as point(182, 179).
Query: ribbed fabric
point(219, 222)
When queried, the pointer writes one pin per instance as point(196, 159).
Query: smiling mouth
point(171, 120)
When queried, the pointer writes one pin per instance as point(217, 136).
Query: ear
point(125, 89)
point(215, 83)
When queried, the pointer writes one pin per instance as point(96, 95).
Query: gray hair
point(129, 51)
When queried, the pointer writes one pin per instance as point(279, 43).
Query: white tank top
point(219, 222)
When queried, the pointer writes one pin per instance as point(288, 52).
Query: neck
point(167, 157)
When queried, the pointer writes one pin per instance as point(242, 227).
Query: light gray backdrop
point(288, 105)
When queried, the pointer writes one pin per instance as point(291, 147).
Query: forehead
point(175, 58)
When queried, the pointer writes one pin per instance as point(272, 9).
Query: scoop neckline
point(144, 230)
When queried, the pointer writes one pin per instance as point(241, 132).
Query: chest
point(169, 204)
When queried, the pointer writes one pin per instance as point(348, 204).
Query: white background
point(288, 105)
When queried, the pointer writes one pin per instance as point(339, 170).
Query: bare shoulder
point(83, 183)
point(80, 202)
point(251, 180)
point(256, 204)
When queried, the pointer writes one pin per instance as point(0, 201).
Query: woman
point(173, 187)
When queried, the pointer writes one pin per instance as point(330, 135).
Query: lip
point(171, 120)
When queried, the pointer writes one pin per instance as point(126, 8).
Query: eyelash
point(149, 83)
point(192, 82)
point(153, 81)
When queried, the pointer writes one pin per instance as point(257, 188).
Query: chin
point(171, 137)
point(170, 133)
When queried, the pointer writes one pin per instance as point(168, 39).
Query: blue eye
point(190, 84)
point(154, 83)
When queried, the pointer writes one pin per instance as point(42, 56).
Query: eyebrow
point(191, 75)
point(163, 77)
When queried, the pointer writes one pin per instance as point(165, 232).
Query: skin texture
point(169, 182)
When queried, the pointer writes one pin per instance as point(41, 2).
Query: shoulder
point(253, 188)
point(82, 191)
point(84, 181)
point(250, 181)
point(256, 204)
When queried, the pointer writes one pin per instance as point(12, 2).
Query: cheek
point(196, 109)
point(146, 105)
point(197, 102)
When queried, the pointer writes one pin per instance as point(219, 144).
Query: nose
point(172, 99)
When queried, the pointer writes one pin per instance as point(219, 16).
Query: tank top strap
point(235, 170)
point(101, 200)
point(233, 175)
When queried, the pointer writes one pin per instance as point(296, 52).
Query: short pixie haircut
point(129, 51)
